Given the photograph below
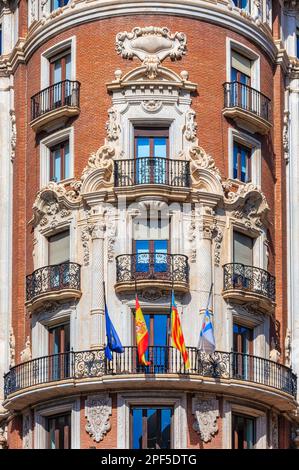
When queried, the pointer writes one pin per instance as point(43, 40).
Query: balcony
point(152, 177)
point(63, 374)
point(54, 105)
point(249, 108)
point(56, 282)
point(159, 270)
point(249, 284)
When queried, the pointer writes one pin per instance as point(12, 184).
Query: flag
point(141, 334)
point(177, 333)
point(206, 337)
point(113, 341)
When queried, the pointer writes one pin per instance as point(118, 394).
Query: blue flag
point(206, 338)
point(113, 341)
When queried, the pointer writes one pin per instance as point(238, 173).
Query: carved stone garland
point(206, 411)
point(97, 411)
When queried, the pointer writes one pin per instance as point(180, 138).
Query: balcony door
point(60, 71)
point(151, 427)
point(243, 349)
point(59, 256)
point(151, 258)
point(151, 154)
point(59, 431)
point(243, 261)
point(243, 432)
point(241, 76)
point(59, 347)
point(158, 354)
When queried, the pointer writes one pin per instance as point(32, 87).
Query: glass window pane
point(68, 67)
point(57, 71)
point(137, 428)
point(142, 257)
point(160, 330)
point(235, 169)
point(166, 428)
point(243, 165)
point(57, 165)
point(153, 428)
point(143, 147)
point(160, 147)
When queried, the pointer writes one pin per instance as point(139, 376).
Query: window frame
point(145, 419)
point(45, 149)
point(69, 426)
point(245, 417)
point(237, 136)
point(61, 146)
point(240, 48)
point(248, 155)
point(62, 47)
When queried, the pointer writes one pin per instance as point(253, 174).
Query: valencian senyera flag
point(206, 337)
point(142, 336)
point(113, 341)
point(177, 333)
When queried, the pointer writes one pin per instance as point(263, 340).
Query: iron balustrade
point(155, 266)
point(53, 278)
point(164, 360)
point(249, 278)
point(146, 170)
point(237, 94)
point(65, 93)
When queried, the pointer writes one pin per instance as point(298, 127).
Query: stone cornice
point(83, 12)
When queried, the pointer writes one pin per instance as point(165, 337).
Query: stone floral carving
point(192, 238)
point(101, 159)
point(12, 348)
point(13, 136)
point(111, 234)
point(201, 160)
point(206, 411)
point(274, 431)
point(151, 106)
point(151, 294)
point(26, 431)
point(190, 126)
point(285, 135)
point(26, 353)
point(97, 411)
point(217, 234)
point(112, 125)
point(85, 238)
point(151, 45)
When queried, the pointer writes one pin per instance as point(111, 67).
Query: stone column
point(97, 278)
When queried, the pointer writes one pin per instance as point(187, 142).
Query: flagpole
point(210, 295)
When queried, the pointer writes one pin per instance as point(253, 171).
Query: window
point(242, 162)
point(59, 248)
point(243, 432)
point(58, 4)
point(151, 427)
point(151, 153)
point(60, 161)
point(243, 339)
point(243, 365)
point(59, 431)
point(59, 346)
point(243, 249)
point(244, 4)
point(158, 354)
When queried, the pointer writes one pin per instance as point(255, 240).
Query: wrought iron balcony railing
point(237, 94)
point(249, 278)
point(146, 170)
point(152, 266)
point(164, 360)
point(65, 93)
point(53, 278)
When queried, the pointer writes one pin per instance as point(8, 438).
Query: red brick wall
point(96, 62)
point(110, 440)
point(14, 433)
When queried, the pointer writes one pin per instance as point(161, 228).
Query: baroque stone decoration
point(12, 348)
point(151, 45)
point(206, 411)
point(13, 136)
point(26, 353)
point(26, 431)
point(191, 126)
point(285, 135)
point(97, 412)
point(288, 347)
point(274, 431)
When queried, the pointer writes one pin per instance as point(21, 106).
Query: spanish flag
point(177, 333)
point(141, 334)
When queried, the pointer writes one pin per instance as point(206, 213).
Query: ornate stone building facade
point(147, 147)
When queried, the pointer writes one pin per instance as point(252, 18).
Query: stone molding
point(98, 409)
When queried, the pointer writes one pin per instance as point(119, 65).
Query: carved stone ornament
point(206, 411)
point(218, 237)
point(112, 125)
point(151, 106)
point(151, 45)
point(26, 434)
point(26, 353)
point(190, 126)
point(101, 159)
point(3, 437)
point(12, 348)
point(288, 347)
point(274, 431)
point(285, 137)
point(13, 136)
point(151, 294)
point(97, 411)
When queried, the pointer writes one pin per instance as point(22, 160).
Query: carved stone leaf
point(97, 411)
